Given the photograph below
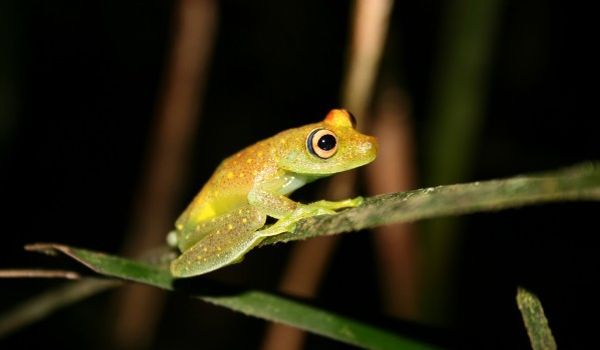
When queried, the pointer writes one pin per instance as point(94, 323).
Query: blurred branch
point(394, 170)
point(370, 26)
point(43, 305)
point(39, 273)
point(460, 88)
point(304, 272)
point(535, 321)
point(176, 121)
point(459, 91)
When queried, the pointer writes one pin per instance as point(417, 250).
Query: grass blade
point(581, 182)
point(42, 305)
point(535, 321)
point(250, 302)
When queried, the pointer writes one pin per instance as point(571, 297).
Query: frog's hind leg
point(225, 244)
point(194, 231)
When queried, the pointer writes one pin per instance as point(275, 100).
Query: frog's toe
point(355, 202)
point(172, 239)
point(348, 203)
point(273, 230)
point(320, 211)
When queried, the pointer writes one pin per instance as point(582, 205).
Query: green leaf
point(581, 182)
point(535, 321)
point(250, 302)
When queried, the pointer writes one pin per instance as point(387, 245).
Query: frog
point(228, 216)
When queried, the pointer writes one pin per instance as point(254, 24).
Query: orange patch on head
point(340, 117)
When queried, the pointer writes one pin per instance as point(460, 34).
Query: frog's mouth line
point(329, 172)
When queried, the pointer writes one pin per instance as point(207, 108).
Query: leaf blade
point(580, 182)
point(250, 302)
point(532, 312)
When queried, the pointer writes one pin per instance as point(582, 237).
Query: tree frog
point(227, 217)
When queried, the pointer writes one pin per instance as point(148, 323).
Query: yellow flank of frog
point(227, 217)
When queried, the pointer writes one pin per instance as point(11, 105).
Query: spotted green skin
point(227, 217)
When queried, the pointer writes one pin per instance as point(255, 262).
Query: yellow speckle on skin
point(230, 227)
point(241, 175)
point(218, 231)
point(219, 249)
point(249, 160)
point(205, 249)
point(260, 153)
point(230, 175)
point(254, 172)
point(244, 220)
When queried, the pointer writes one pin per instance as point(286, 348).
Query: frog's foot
point(288, 223)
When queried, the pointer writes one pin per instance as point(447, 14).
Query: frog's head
point(329, 147)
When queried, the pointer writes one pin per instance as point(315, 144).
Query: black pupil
point(326, 142)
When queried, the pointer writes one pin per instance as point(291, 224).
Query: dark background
point(80, 85)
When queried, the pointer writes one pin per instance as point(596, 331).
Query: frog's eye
point(322, 143)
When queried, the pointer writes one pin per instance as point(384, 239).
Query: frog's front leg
point(289, 212)
point(228, 238)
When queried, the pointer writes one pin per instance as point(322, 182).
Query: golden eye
point(322, 143)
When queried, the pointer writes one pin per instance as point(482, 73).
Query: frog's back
point(228, 187)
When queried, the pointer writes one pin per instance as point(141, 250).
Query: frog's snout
point(369, 147)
